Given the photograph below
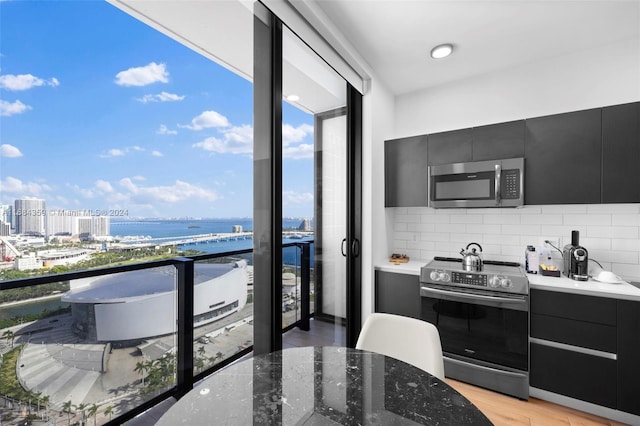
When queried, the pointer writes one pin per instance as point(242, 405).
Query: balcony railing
point(116, 341)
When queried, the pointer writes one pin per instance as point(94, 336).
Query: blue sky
point(100, 111)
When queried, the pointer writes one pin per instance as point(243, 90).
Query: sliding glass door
point(309, 165)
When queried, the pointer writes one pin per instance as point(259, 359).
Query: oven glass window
point(495, 335)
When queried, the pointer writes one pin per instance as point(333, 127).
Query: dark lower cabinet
point(586, 347)
point(629, 356)
point(577, 375)
point(397, 294)
point(563, 155)
point(620, 153)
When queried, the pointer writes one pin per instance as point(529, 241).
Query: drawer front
point(599, 310)
point(577, 333)
point(573, 374)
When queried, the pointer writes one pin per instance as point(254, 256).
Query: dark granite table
point(323, 386)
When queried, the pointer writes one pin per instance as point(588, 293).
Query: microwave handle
point(497, 183)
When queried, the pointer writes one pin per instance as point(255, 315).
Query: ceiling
point(395, 37)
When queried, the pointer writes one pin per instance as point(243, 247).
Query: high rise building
point(5, 229)
point(85, 227)
point(61, 222)
point(6, 211)
point(101, 226)
point(305, 225)
point(30, 216)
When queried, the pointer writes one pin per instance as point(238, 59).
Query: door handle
point(344, 240)
point(355, 248)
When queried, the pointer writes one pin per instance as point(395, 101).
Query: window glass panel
point(314, 176)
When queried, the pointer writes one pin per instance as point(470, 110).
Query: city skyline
point(101, 112)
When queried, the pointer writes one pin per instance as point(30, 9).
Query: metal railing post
point(305, 285)
point(185, 270)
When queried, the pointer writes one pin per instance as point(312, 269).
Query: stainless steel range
point(483, 319)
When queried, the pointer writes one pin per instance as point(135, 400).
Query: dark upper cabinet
point(563, 158)
point(620, 153)
point(497, 141)
point(450, 147)
point(405, 172)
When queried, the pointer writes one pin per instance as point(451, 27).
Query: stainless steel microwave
point(493, 183)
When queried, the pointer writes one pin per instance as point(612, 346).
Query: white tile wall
point(610, 232)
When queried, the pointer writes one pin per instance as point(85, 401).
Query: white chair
point(407, 339)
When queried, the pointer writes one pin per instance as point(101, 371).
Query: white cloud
point(164, 130)
point(207, 120)
point(178, 192)
point(299, 152)
point(292, 197)
point(237, 140)
point(117, 152)
point(103, 186)
point(142, 76)
point(25, 82)
point(11, 185)
point(114, 152)
point(9, 151)
point(292, 134)
point(156, 153)
point(160, 97)
point(7, 108)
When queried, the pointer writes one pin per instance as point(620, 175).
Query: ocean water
point(165, 228)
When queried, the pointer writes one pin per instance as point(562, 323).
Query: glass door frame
point(267, 215)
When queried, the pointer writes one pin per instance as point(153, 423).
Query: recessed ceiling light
point(293, 98)
point(441, 51)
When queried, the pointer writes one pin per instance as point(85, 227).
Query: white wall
point(587, 79)
point(377, 126)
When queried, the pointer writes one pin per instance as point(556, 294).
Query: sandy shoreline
point(35, 299)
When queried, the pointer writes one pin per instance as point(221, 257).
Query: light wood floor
point(504, 410)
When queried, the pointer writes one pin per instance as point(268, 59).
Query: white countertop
point(562, 284)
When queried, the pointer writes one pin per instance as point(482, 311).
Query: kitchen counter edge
point(624, 290)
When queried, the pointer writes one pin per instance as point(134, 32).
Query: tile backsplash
point(610, 232)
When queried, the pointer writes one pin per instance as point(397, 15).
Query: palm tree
point(38, 396)
point(67, 407)
point(93, 412)
point(45, 401)
point(141, 367)
point(82, 407)
point(9, 335)
point(108, 411)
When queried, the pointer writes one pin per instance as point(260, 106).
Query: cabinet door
point(497, 141)
point(629, 356)
point(450, 147)
point(577, 375)
point(563, 158)
point(398, 294)
point(621, 153)
point(405, 172)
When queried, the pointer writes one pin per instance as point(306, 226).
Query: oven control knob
point(435, 275)
point(494, 282)
point(506, 283)
point(445, 277)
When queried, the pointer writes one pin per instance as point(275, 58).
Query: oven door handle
point(520, 304)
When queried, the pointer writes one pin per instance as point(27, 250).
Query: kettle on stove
point(471, 261)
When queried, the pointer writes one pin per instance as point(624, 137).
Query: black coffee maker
point(576, 259)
